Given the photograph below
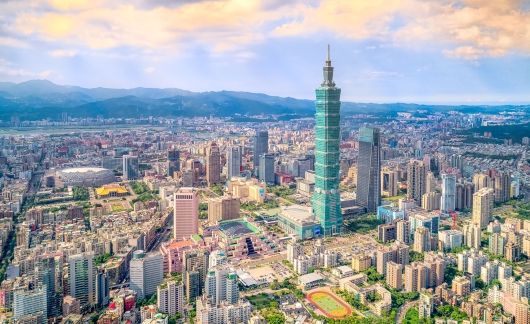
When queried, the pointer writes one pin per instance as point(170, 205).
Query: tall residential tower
point(326, 198)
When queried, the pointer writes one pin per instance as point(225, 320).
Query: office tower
point(102, 288)
point(146, 272)
point(49, 272)
point(326, 198)
point(131, 167)
point(195, 264)
point(170, 297)
point(394, 275)
point(173, 162)
point(221, 285)
point(82, 279)
point(213, 164)
point(185, 213)
point(422, 240)
point(501, 184)
point(223, 208)
point(30, 304)
point(403, 231)
point(369, 169)
point(233, 161)
point(300, 166)
point(389, 182)
point(416, 277)
point(482, 180)
point(482, 206)
point(431, 201)
point(266, 168)
point(471, 234)
point(448, 202)
point(261, 146)
point(416, 183)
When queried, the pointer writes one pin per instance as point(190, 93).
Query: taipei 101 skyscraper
point(326, 198)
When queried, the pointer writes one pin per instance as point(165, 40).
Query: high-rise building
point(482, 180)
point(422, 240)
point(233, 161)
point(223, 208)
point(185, 213)
point(131, 167)
point(82, 279)
point(448, 202)
point(502, 183)
point(369, 169)
point(266, 168)
point(217, 258)
point(173, 162)
point(195, 264)
point(326, 198)
point(416, 182)
point(102, 288)
point(403, 231)
point(416, 277)
point(213, 164)
point(30, 304)
point(431, 201)
point(170, 297)
point(389, 182)
point(482, 206)
point(471, 234)
point(221, 285)
point(146, 272)
point(497, 243)
point(394, 275)
point(464, 195)
point(49, 273)
point(261, 146)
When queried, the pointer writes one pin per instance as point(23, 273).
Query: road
point(403, 309)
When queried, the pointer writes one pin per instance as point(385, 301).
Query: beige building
point(482, 206)
point(213, 164)
point(461, 286)
point(222, 208)
point(422, 240)
point(394, 275)
point(360, 263)
point(482, 180)
point(431, 201)
point(416, 275)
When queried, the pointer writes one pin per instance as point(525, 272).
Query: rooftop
point(237, 227)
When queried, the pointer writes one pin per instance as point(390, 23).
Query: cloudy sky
point(439, 51)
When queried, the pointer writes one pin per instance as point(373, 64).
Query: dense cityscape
point(420, 217)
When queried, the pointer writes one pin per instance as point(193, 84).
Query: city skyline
point(402, 51)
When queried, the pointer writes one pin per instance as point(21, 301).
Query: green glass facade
point(326, 197)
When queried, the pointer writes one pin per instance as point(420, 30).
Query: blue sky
point(437, 51)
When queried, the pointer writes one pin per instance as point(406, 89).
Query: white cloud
point(8, 69)
point(62, 53)
point(13, 42)
point(149, 70)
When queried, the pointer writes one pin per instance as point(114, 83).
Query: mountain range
point(42, 99)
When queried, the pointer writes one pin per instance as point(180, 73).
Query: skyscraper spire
point(328, 72)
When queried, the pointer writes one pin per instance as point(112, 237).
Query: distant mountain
point(41, 99)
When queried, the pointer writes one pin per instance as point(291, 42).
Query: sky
point(418, 51)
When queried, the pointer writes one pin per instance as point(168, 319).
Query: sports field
point(329, 304)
